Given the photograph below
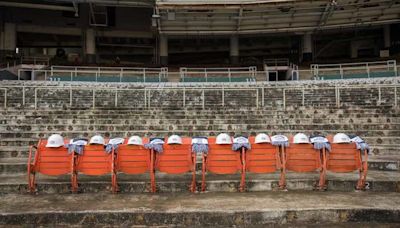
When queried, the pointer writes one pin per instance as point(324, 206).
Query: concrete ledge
point(377, 181)
point(210, 209)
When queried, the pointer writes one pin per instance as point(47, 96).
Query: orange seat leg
point(152, 172)
point(193, 184)
point(282, 180)
point(203, 173)
point(243, 174)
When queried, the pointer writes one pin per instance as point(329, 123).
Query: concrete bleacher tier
point(369, 108)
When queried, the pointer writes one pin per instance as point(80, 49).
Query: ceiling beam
point(37, 6)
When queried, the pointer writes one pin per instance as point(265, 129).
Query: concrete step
point(195, 127)
point(385, 181)
point(82, 120)
point(291, 209)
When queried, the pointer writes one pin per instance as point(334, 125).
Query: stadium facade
point(173, 32)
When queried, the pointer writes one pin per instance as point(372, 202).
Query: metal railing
point(35, 60)
point(214, 74)
point(98, 75)
point(362, 69)
point(258, 92)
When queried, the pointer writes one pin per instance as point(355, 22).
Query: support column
point(163, 50)
point(234, 50)
point(8, 40)
point(307, 47)
point(90, 46)
point(354, 49)
point(386, 42)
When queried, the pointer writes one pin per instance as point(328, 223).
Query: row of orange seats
point(134, 156)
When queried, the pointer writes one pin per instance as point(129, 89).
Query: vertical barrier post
point(284, 98)
point(71, 77)
point(203, 98)
point(70, 96)
point(145, 98)
point(262, 96)
point(223, 96)
point(5, 98)
point(341, 71)
point(337, 90)
point(35, 98)
point(303, 97)
point(94, 99)
point(116, 98)
point(184, 97)
point(148, 97)
point(229, 74)
point(144, 74)
point(257, 94)
point(395, 96)
point(379, 96)
point(23, 95)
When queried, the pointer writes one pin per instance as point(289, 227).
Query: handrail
point(5, 97)
point(256, 90)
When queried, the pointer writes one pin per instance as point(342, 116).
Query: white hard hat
point(262, 138)
point(55, 140)
point(135, 140)
point(301, 138)
point(341, 138)
point(97, 139)
point(174, 139)
point(223, 138)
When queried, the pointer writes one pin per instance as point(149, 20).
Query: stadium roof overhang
point(227, 17)
point(71, 5)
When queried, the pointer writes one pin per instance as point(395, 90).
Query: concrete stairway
point(267, 209)
point(246, 109)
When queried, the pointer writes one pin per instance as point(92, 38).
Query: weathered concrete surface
point(209, 209)
point(378, 181)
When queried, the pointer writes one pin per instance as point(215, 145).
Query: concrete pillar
point(354, 49)
point(307, 47)
point(234, 49)
point(90, 46)
point(8, 40)
point(163, 50)
point(386, 36)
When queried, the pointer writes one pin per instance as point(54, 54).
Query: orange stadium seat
point(133, 159)
point(177, 159)
point(95, 162)
point(50, 161)
point(221, 160)
point(304, 158)
point(345, 158)
point(264, 158)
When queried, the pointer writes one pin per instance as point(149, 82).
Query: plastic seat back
point(262, 158)
point(221, 159)
point(302, 158)
point(175, 158)
point(94, 161)
point(343, 157)
point(53, 161)
point(133, 159)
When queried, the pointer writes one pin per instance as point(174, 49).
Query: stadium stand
point(134, 96)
